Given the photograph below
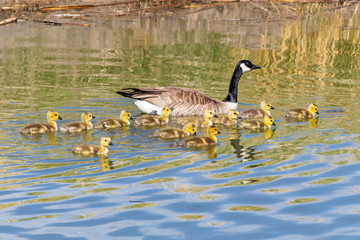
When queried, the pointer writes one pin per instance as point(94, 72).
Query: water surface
point(300, 181)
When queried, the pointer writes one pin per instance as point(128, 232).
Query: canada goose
point(187, 102)
point(230, 119)
point(163, 119)
point(125, 116)
point(266, 122)
point(311, 112)
point(206, 122)
point(88, 150)
point(257, 113)
point(187, 130)
point(51, 126)
point(86, 117)
point(201, 140)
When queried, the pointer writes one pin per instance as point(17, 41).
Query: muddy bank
point(41, 9)
point(82, 13)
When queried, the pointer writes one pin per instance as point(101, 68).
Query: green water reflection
point(308, 54)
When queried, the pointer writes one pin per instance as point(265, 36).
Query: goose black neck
point(233, 88)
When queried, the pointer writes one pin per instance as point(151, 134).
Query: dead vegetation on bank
point(59, 12)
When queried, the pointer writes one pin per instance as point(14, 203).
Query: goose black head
point(247, 66)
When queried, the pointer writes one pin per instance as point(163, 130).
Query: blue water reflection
point(298, 181)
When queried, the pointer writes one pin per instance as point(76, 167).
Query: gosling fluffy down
point(188, 129)
point(92, 150)
point(51, 126)
point(163, 119)
point(125, 116)
point(266, 122)
point(311, 112)
point(257, 113)
point(86, 117)
point(230, 119)
point(205, 122)
point(201, 140)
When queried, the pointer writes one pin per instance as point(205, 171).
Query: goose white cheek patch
point(244, 68)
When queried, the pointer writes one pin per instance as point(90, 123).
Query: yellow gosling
point(230, 119)
point(92, 150)
point(266, 122)
point(163, 119)
point(201, 140)
point(311, 112)
point(205, 122)
point(86, 124)
point(51, 126)
point(257, 113)
point(188, 129)
point(125, 116)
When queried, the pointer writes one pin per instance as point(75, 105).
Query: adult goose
point(186, 102)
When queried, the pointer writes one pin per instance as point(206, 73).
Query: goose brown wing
point(185, 101)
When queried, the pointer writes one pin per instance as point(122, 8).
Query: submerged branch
point(7, 21)
point(57, 23)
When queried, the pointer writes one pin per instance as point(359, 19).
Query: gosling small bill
point(125, 116)
point(311, 112)
point(84, 125)
point(266, 122)
point(230, 119)
point(188, 129)
point(50, 126)
point(92, 150)
point(205, 122)
point(198, 141)
point(257, 113)
point(150, 120)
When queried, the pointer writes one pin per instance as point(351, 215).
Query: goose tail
point(138, 92)
point(125, 93)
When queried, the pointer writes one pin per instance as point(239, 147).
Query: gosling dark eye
point(55, 115)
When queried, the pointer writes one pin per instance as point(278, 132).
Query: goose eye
point(55, 115)
point(268, 105)
point(105, 140)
